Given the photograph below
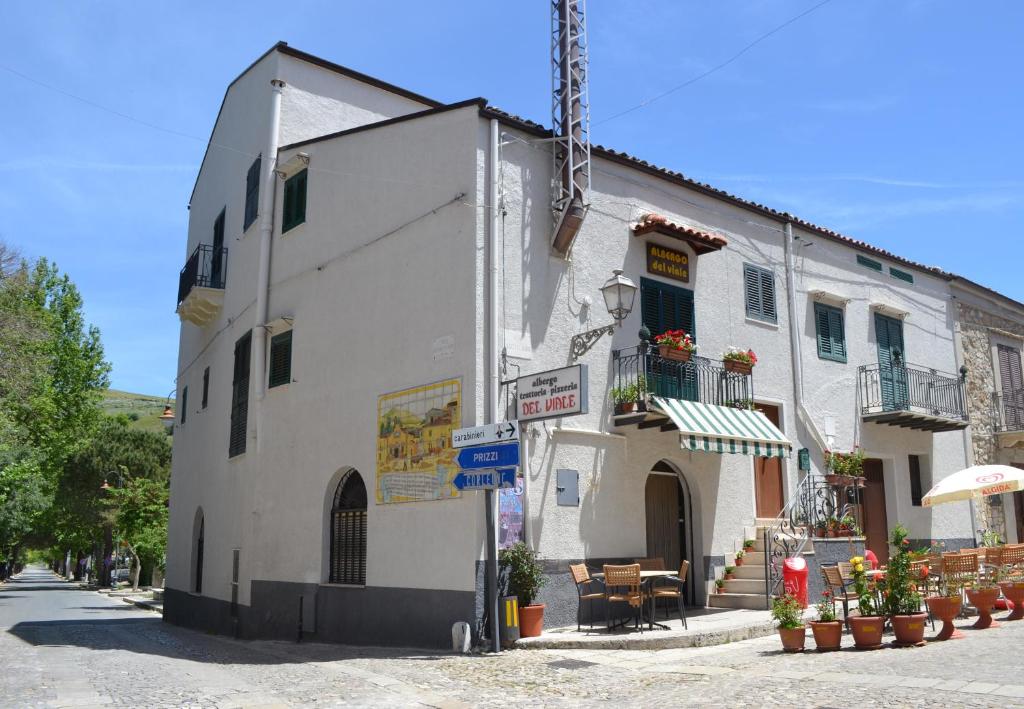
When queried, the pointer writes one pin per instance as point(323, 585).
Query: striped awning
point(723, 429)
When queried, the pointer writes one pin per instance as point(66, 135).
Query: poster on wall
point(415, 458)
point(510, 515)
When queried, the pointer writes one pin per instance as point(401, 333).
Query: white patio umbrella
point(974, 483)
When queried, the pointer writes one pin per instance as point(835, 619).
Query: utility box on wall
point(567, 486)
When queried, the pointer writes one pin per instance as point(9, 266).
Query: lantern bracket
point(581, 344)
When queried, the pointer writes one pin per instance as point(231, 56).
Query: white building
point(342, 315)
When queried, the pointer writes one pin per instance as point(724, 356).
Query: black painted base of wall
point(408, 617)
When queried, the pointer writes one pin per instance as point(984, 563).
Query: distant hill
point(144, 410)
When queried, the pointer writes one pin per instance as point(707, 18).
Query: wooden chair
point(653, 564)
point(961, 568)
point(1013, 559)
point(923, 583)
point(584, 592)
point(674, 591)
point(623, 585)
point(839, 587)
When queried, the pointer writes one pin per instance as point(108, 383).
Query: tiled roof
point(702, 241)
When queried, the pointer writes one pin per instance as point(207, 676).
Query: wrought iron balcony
point(1008, 416)
point(201, 284)
point(912, 397)
point(643, 371)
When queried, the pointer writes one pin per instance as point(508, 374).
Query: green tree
point(140, 518)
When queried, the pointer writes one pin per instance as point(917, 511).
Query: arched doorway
point(347, 564)
point(198, 542)
point(669, 514)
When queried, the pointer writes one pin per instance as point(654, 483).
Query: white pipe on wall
point(259, 334)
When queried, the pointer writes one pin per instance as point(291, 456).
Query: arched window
point(348, 531)
point(198, 556)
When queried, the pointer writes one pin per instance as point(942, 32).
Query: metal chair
point(675, 591)
point(623, 585)
point(581, 577)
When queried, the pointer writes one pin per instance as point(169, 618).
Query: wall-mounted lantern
point(619, 294)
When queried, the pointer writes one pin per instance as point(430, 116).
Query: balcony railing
point(205, 268)
point(701, 379)
point(1008, 411)
point(905, 393)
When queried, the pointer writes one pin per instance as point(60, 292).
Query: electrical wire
point(712, 70)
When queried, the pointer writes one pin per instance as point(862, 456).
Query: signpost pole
point(490, 498)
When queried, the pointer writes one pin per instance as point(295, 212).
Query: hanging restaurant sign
point(552, 394)
point(668, 263)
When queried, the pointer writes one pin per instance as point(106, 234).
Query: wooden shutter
point(348, 532)
point(240, 396)
point(280, 359)
point(759, 293)
point(830, 331)
point(752, 291)
point(252, 193)
point(1011, 378)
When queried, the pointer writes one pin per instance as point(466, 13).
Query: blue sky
point(894, 122)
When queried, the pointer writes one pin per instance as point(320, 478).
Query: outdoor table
point(647, 578)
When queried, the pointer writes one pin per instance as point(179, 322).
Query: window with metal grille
point(828, 322)
point(280, 359)
point(240, 396)
point(206, 386)
point(759, 293)
point(348, 531)
point(916, 484)
point(184, 403)
point(294, 208)
point(252, 194)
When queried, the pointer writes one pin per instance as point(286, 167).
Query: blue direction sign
point(486, 479)
point(499, 455)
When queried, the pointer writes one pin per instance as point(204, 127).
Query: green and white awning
point(723, 429)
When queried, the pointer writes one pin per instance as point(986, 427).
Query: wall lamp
point(619, 294)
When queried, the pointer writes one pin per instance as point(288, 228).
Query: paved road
point(64, 647)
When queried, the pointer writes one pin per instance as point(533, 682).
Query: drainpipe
point(491, 349)
point(794, 342)
point(259, 334)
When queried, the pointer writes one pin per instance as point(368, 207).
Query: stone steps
point(751, 585)
point(752, 601)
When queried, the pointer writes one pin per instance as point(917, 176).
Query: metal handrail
point(207, 267)
point(912, 388)
point(1008, 410)
point(700, 379)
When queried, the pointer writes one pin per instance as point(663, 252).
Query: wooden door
point(768, 475)
point(876, 525)
point(663, 519)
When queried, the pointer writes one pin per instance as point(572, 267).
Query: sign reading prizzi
point(668, 263)
point(552, 394)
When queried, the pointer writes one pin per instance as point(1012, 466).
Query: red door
point(876, 525)
point(768, 475)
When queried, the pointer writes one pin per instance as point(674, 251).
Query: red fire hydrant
point(794, 579)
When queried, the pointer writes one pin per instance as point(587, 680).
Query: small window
point(206, 386)
point(240, 396)
point(916, 486)
point(869, 263)
point(830, 331)
point(759, 290)
point(280, 359)
point(184, 404)
point(252, 194)
point(901, 275)
point(294, 212)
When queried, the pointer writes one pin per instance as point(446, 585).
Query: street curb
point(651, 640)
point(144, 603)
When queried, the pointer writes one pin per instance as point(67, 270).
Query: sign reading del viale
point(668, 263)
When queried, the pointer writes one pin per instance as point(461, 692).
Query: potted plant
point(902, 601)
point(748, 545)
point(945, 606)
point(739, 361)
point(786, 611)
point(1013, 590)
point(983, 597)
point(844, 468)
point(828, 632)
point(739, 557)
point(719, 585)
point(676, 344)
point(625, 398)
point(867, 625)
point(524, 577)
point(729, 572)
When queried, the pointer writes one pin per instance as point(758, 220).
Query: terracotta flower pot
point(828, 636)
point(946, 608)
point(793, 638)
point(1014, 592)
point(909, 629)
point(531, 620)
point(625, 407)
point(867, 631)
point(729, 577)
point(739, 561)
point(732, 365)
point(983, 599)
point(833, 479)
point(669, 352)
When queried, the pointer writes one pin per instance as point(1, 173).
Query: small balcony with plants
point(1008, 417)
point(911, 396)
point(201, 284)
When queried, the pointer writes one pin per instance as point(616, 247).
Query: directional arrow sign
point(500, 455)
point(486, 479)
point(482, 435)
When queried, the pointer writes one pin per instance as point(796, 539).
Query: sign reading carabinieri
point(552, 394)
point(668, 263)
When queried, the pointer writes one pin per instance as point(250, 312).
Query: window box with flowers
point(739, 361)
point(676, 344)
point(845, 469)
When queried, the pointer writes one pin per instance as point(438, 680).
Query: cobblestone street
point(63, 647)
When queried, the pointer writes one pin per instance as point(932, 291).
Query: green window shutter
point(280, 359)
point(664, 307)
point(184, 404)
point(759, 293)
point(240, 396)
point(869, 263)
point(830, 331)
point(901, 275)
point(252, 193)
point(294, 201)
